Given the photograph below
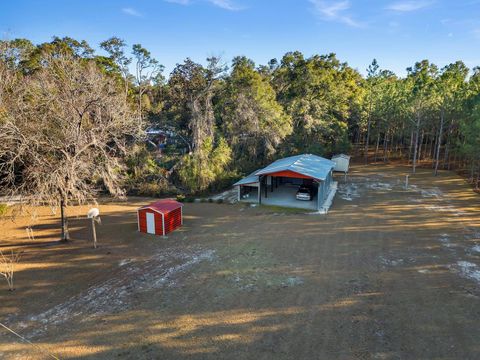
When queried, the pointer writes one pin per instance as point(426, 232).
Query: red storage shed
point(160, 217)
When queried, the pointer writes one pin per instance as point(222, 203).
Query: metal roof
point(307, 164)
point(163, 206)
point(250, 179)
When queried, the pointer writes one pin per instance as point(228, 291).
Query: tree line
point(73, 120)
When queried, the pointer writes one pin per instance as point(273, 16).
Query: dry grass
point(379, 277)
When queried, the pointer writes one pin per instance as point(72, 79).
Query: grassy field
point(389, 273)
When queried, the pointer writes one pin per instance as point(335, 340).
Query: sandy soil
point(389, 273)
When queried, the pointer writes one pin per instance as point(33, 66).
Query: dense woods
point(73, 120)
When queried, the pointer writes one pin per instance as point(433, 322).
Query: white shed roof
point(341, 156)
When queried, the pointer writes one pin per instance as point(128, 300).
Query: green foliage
point(3, 209)
point(470, 128)
point(144, 176)
point(154, 188)
point(199, 170)
point(318, 93)
point(253, 121)
point(226, 123)
point(140, 163)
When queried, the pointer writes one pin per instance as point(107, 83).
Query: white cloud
point(409, 6)
point(131, 12)
point(224, 4)
point(335, 11)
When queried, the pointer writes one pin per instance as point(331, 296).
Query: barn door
point(150, 223)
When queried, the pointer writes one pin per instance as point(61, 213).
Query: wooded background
point(73, 121)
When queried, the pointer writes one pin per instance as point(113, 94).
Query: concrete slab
point(284, 195)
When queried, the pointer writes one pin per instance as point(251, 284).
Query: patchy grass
point(252, 267)
point(373, 279)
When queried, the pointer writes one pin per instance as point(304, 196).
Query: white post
point(406, 182)
point(163, 224)
point(138, 220)
point(181, 215)
point(94, 234)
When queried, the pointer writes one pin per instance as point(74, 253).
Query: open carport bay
point(284, 195)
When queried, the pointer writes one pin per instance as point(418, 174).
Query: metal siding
point(323, 190)
point(319, 195)
point(173, 220)
point(289, 174)
point(158, 224)
point(142, 221)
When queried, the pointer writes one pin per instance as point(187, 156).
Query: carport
point(278, 183)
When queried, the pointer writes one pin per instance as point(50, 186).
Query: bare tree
point(7, 266)
point(62, 138)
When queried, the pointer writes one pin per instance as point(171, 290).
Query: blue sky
point(397, 33)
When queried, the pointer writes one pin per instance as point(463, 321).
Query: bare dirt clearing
point(389, 273)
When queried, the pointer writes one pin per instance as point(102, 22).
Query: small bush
point(220, 201)
point(3, 209)
point(189, 200)
point(181, 198)
point(202, 200)
point(153, 188)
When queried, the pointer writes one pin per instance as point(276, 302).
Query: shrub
point(220, 201)
point(198, 171)
point(181, 198)
point(3, 209)
point(153, 188)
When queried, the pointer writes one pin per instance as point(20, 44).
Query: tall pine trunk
point(377, 146)
point(439, 141)
point(415, 151)
point(385, 146)
point(367, 140)
point(420, 147)
point(410, 146)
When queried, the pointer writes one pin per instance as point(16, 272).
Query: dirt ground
point(389, 273)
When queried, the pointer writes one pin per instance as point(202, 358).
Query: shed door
point(150, 223)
